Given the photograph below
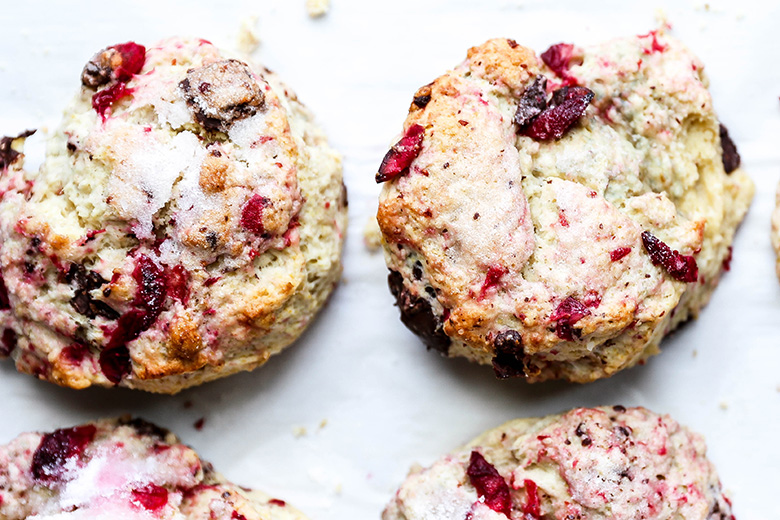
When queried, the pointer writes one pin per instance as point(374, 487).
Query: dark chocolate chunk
point(532, 102)
point(731, 158)
point(86, 281)
point(418, 316)
point(7, 154)
point(509, 355)
point(144, 427)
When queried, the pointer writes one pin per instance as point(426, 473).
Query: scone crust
point(121, 468)
point(601, 463)
point(491, 235)
point(202, 211)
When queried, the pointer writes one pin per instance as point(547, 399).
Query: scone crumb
point(317, 8)
point(695, 352)
point(723, 405)
point(372, 235)
point(248, 39)
point(299, 431)
point(323, 423)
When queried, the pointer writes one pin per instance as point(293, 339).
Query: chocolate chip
point(7, 154)
point(222, 93)
point(144, 427)
point(731, 158)
point(418, 316)
point(422, 97)
point(508, 360)
point(619, 408)
point(86, 281)
point(532, 102)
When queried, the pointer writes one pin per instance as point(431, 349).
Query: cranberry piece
point(237, 516)
point(115, 362)
point(654, 46)
point(104, 99)
point(400, 156)
point(620, 252)
point(74, 354)
point(133, 58)
point(532, 102)
point(152, 285)
point(179, 284)
point(731, 158)
point(680, 267)
point(5, 303)
point(198, 425)
point(7, 154)
point(152, 497)
point(567, 106)
point(727, 260)
point(492, 278)
point(532, 507)
point(8, 343)
point(569, 312)
point(56, 448)
point(277, 502)
point(252, 214)
point(490, 485)
point(509, 354)
point(559, 58)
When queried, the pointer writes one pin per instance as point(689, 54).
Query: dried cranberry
point(620, 252)
point(252, 214)
point(569, 312)
point(56, 448)
point(655, 46)
point(492, 278)
point(731, 158)
point(532, 102)
point(680, 267)
point(104, 99)
point(8, 343)
point(152, 497)
point(7, 154)
point(133, 58)
point(559, 58)
point(508, 359)
point(277, 502)
point(490, 485)
point(74, 354)
point(568, 105)
point(237, 516)
point(5, 303)
point(400, 156)
point(198, 425)
point(115, 362)
point(179, 284)
point(532, 507)
point(727, 260)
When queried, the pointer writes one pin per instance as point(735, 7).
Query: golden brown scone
point(121, 469)
point(187, 223)
point(556, 216)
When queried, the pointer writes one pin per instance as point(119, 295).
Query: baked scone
point(587, 464)
point(187, 223)
point(556, 216)
point(124, 469)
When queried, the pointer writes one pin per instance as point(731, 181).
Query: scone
point(124, 469)
point(587, 464)
point(187, 223)
point(556, 216)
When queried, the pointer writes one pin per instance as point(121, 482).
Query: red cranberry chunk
point(532, 507)
point(119, 62)
point(277, 502)
point(152, 285)
point(569, 312)
point(115, 362)
point(103, 100)
point(401, 155)
point(620, 252)
point(680, 267)
point(151, 497)
point(492, 278)
point(532, 102)
point(133, 58)
point(74, 354)
point(179, 284)
point(237, 516)
point(8, 343)
point(731, 158)
point(252, 214)
point(559, 58)
point(5, 303)
point(490, 485)
point(568, 105)
point(57, 448)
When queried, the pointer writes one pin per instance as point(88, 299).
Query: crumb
point(199, 423)
point(323, 423)
point(338, 489)
point(299, 431)
point(317, 8)
point(724, 405)
point(695, 352)
point(248, 39)
point(372, 235)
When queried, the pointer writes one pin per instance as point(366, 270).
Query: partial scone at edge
point(563, 251)
point(602, 463)
point(121, 469)
point(187, 224)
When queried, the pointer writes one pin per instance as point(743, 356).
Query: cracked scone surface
point(601, 463)
point(121, 469)
point(187, 223)
point(565, 255)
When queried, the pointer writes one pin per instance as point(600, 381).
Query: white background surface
point(387, 402)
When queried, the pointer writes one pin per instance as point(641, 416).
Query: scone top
point(546, 215)
point(162, 234)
